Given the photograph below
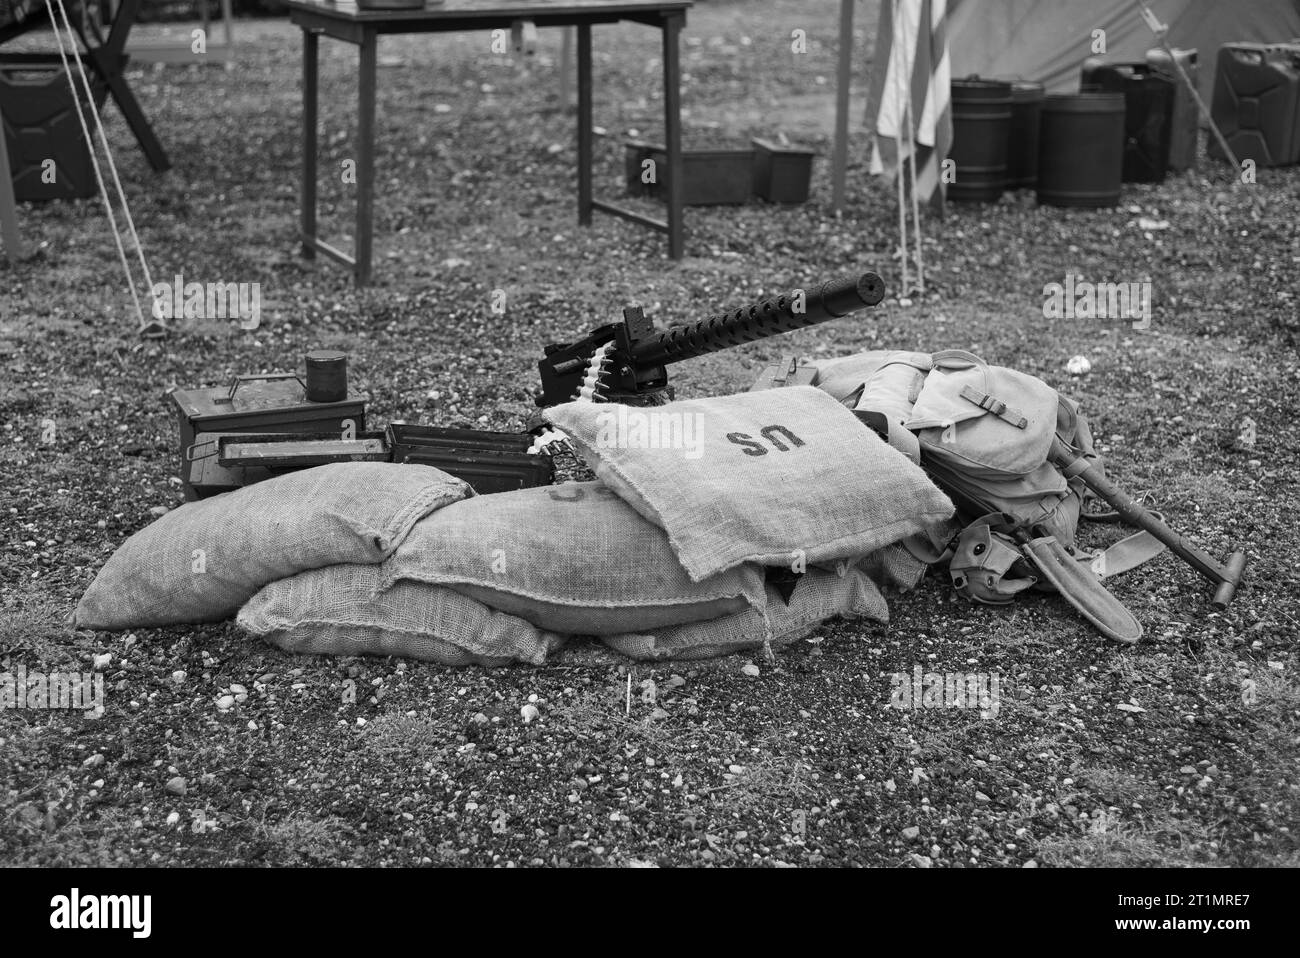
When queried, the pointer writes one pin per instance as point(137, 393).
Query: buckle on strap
point(995, 406)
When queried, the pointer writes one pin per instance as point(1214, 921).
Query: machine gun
point(625, 362)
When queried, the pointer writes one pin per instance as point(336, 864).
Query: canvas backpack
point(984, 434)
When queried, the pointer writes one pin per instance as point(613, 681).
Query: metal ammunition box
point(274, 403)
point(488, 461)
point(293, 451)
point(203, 474)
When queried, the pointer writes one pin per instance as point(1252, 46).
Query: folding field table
point(166, 50)
point(343, 20)
point(104, 56)
point(11, 243)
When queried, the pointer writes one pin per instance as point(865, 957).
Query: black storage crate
point(488, 461)
point(782, 174)
point(715, 177)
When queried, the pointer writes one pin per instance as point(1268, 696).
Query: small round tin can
point(327, 375)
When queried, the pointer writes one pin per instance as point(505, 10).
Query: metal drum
point(1022, 134)
point(1081, 149)
point(981, 119)
point(1148, 114)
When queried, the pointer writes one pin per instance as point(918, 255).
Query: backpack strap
point(995, 406)
point(1129, 553)
point(959, 354)
point(903, 440)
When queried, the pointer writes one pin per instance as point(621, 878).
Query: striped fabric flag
point(911, 69)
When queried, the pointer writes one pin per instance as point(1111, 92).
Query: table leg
point(584, 124)
point(109, 68)
point(672, 29)
point(566, 67)
point(366, 157)
point(13, 247)
point(309, 123)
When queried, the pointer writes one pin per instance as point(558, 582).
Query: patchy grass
point(34, 624)
point(309, 841)
point(1110, 842)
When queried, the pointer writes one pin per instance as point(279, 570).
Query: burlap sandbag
point(572, 558)
point(202, 561)
point(339, 610)
point(775, 477)
point(819, 595)
point(894, 567)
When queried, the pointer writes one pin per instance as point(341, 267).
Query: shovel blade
point(1083, 590)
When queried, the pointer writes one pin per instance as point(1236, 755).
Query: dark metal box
point(709, 177)
point(203, 474)
point(274, 403)
point(782, 174)
point(211, 469)
point(488, 461)
point(279, 450)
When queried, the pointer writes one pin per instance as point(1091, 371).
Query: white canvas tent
point(1048, 40)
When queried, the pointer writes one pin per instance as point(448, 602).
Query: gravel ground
point(1179, 751)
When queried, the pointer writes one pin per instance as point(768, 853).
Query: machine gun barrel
point(625, 361)
point(780, 314)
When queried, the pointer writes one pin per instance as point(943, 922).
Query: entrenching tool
point(1226, 576)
